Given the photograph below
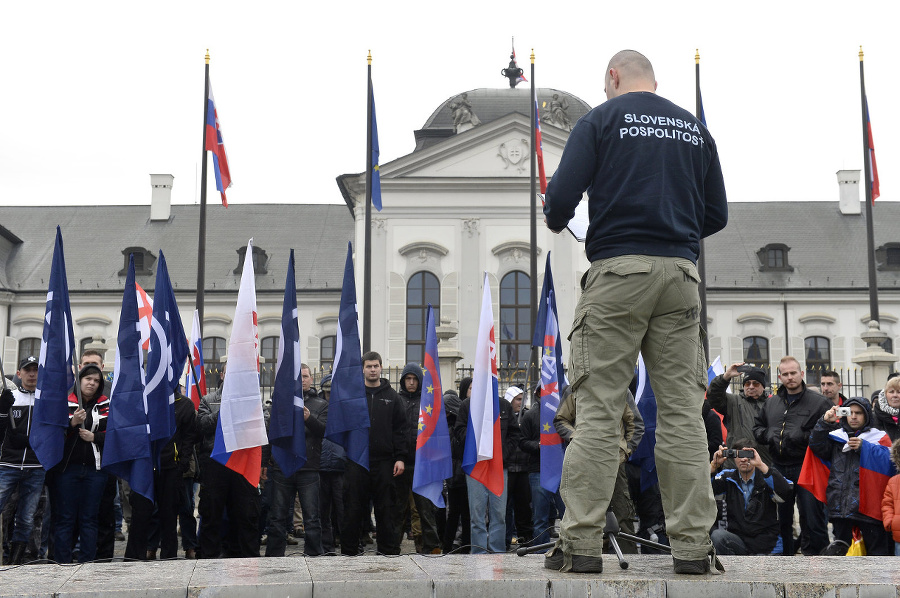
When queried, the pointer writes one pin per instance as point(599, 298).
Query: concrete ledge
point(455, 576)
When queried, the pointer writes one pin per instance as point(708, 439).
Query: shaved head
point(629, 71)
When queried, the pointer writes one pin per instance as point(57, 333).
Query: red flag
point(538, 146)
point(870, 144)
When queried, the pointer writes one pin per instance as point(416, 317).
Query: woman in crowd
point(78, 482)
point(886, 408)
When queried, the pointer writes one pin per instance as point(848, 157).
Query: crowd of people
point(755, 474)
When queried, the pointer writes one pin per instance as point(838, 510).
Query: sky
point(98, 95)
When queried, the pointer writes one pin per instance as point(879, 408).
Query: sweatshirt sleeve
point(573, 176)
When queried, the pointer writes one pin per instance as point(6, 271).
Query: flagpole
point(867, 168)
point(367, 264)
point(201, 236)
point(701, 260)
point(532, 201)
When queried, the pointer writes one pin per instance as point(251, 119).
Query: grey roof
point(95, 236)
point(489, 105)
point(827, 248)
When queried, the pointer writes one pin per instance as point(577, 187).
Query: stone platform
point(455, 576)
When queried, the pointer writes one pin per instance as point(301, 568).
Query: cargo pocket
point(579, 360)
point(690, 270)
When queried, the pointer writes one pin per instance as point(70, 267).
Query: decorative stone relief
point(379, 224)
point(463, 116)
point(470, 226)
point(557, 114)
point(424, 254)
point(514, 154)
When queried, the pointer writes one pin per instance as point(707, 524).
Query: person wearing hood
point(457, 494)
point(387, 456)
point(886, 408)
point(425, 535)
point(839, 440)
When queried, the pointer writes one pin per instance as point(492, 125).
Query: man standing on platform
point(655, 190)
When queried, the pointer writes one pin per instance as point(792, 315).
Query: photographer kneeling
point(751, 493)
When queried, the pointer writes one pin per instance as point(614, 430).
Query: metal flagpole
point(532, 202)
point(367, 264)
point(867, 167)
point(701, 259)
point(201, 236)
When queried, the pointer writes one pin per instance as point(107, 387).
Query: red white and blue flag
point(145, 315)
point(717, 369)
point(195, 365)
point(870, 145)
point(546, 336)
point(241, 431)
point(434, 464)
point(539, 146)
point(483, 451)
point(521, 77)
point(875, 469)
point(216, 145)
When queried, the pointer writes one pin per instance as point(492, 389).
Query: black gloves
point(6, 400)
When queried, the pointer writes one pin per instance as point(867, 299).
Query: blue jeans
point(813, 522)
point(30, 483)
point(488, 517)
point(541, 503)
point(77, 490)
point(281, 514)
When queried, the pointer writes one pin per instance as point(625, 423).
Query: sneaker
point(292, 540)
point(120, 537)
point(698, 567)
point(554, 560)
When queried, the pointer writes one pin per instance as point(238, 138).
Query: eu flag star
point(430, 390)
point(546, 427)
point(428, 409)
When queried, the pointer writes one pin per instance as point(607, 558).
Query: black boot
point(17, 553)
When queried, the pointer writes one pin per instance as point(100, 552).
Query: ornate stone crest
point(514, 154)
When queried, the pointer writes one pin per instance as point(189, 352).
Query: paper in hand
point(578, 225)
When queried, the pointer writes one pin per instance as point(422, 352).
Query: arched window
point(27, 348)
point(214, 348)
point(268, 350)
point(423, 288)
point(326, 353)
point(818, 357)
point(515, 320)
point(756, 351)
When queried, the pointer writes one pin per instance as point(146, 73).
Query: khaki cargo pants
point(631, 304)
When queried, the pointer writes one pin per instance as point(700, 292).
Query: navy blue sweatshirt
point(652, 174)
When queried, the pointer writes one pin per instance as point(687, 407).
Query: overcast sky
point(98, 95)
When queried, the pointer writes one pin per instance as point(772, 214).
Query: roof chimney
point(848, 181)
point(161, 199)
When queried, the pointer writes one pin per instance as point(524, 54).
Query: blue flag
point(55, 374)
point(433, 461)
point(376, 169)
point(643, 455)
point(165, 360)
point(546, 336)
point(126, 451)
point(348, 411)
point(287, 431)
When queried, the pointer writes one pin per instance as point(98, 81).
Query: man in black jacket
point(751, 493)
point(783, 426)
point(387, 453)
point(304, 481)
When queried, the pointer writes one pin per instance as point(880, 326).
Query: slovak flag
point(215, 145)
point(483, 451)
point(434, 464)
point(539, 146)
point(195, 365)
point(55, 374)
point(240, 430)
point(546, 336)
point(873, 167)
point(145, 315)
point(717, 369)
point(875, 469)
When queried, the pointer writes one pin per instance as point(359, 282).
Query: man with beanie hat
point(739, 411)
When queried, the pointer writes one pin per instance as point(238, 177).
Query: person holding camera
point(739, 411)
point(751, 493)
point(838, 438)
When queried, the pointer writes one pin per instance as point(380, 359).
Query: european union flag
point(376, 174)
point(434, 463)
point(55, 374)
point(287, 431)
point(348, 411)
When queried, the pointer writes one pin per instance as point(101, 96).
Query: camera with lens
point(737, 454)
